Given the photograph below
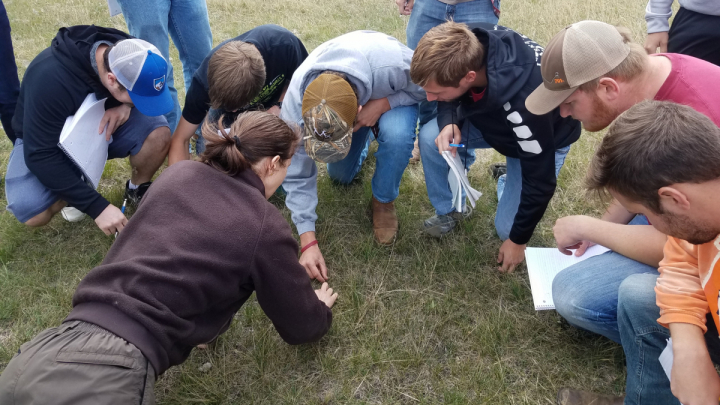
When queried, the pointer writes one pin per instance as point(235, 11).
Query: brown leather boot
point(385, 223)
point(569, 396)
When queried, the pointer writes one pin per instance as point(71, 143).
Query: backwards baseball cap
point(578, 54)
point(329, 108)
point(142, 70)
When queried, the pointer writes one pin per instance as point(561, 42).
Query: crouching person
point(184, 265)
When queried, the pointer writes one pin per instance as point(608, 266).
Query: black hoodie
point(513, 72)
point(53, 88)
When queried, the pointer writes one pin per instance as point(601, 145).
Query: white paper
point(81, 142)
point(114, 8)
point(544, 264)
point(457, 177)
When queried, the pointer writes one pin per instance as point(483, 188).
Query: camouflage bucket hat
point(329, 108)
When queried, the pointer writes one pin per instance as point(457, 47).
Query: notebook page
point(544, 264)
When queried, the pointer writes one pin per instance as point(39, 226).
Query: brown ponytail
point(253, 136)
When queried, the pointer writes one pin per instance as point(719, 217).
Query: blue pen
point(122, 209)
point(457, 145)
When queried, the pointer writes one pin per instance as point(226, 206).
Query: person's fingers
point(356, 127)
point(329, 291)
point(324, 287)
point(663, 47)
point(511, 268)
point(564, 251)
point(107, 231)
point(500, 257)
point(323, 269)
point(103, 122)
point(333, 298)
point(581, 250)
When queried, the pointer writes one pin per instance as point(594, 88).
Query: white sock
point(131, 186)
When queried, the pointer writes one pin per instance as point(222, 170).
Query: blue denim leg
point(345, 170)
point(189, 28)
point(153, 20)
point(427, 14)
point(509, 188)
point(586, 294)
point(9, 83)
point(395, 144)
point(643, 340)
point(436, 169)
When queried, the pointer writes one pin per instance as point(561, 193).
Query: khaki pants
point(77, 363)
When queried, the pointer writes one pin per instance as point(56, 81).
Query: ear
point(469, 77)
point(608, 89)
point(274, 164)
point(673, 200)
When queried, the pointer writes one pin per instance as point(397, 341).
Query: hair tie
point(237, 142)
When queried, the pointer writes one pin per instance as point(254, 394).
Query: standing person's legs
point(695, 34)
point(189, 28)
point(509, 189)
point(9, 83)
point(78, 363)
point(148, 20)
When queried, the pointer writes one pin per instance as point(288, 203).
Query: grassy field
point(423, 321)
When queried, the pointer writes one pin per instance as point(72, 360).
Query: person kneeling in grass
point(184, 265)
point(660, 159)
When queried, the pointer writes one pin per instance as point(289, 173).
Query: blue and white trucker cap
point(139, 66)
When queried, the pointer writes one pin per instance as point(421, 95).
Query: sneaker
point(497, 170)
point(134, 196)
point(72, 214)
point(439, 225)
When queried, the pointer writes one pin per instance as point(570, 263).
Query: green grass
point(423, 321)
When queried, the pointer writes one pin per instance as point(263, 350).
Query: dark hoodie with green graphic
point(53, 88)
point(498, 111)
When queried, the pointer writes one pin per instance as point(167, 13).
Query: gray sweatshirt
point(379, 66)
point(658, 12)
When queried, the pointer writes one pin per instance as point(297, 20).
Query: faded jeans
point(436, 174)
point(395, 144)
point(187, 23)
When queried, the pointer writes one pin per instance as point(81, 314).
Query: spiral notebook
point(80, 140)
point(544, 264)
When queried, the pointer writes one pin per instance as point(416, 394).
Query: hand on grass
point(326, 295)
point(569, 234)
point(449, 134)
point(371, 112)
point(511, 254)
point(693, 379)
point(656, 40)
point(113, 118)
point(314, 263)
point(111, 220)
point(405, 6)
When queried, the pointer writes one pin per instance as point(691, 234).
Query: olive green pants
point(77, 363)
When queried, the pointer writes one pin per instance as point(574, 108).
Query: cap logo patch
point(557, 79)
point(159, 83)
point(322, 135)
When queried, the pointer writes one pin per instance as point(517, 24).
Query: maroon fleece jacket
point(198, 246)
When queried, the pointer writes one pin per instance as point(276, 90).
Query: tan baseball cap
point(329, 108)
point(578, 54)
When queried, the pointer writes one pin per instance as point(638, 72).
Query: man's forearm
point(616, 213)
point(181, 142)
point(638, 242)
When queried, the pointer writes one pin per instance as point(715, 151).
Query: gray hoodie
point(658, 12)
point(379, 66)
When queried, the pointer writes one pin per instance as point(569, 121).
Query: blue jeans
point(427, 14)
point(9, 83)
point(395, 144)
point(430, 13)
point(187, 23)
point(589, 301)
point(436, 171)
